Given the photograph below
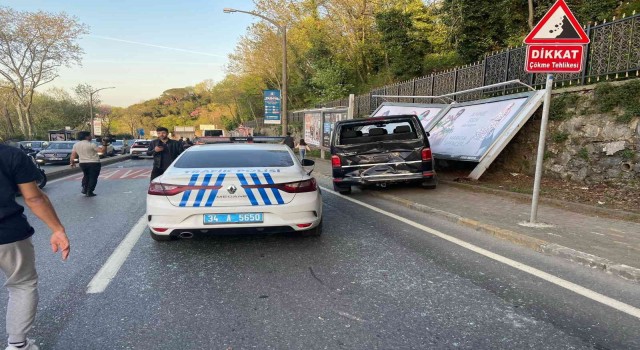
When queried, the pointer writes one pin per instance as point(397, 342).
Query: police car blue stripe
point(248, 191)
point(214, 193)
point(187, 193)
point(263, 193)
point(205, 182)
point(275, 191)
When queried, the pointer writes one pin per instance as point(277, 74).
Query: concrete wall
point(583, 144)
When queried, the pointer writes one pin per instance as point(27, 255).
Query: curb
point(70, 171)
point(538, 245)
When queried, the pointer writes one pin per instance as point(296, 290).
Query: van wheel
point(342, 190)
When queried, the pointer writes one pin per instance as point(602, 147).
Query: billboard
point(272, 106)
point(467, 131)
point(313, 128)
point(426, 112)
point(330, 120)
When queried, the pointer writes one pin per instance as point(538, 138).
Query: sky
point(144, 47)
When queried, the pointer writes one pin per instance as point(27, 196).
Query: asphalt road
point(370, 282)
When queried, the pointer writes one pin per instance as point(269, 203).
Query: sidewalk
point(612, 245)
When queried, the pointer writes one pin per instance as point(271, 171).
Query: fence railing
point(613, 53)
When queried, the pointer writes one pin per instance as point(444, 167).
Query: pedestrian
point(87, 154)
point(288, 140)
point(18, 174)
point(249, 139)
point(164, 151)
point(302, 148)
point(189, 142)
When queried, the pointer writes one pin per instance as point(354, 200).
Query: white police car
point(233, 188)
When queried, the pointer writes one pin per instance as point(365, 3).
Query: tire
point(430, 185)
point(342, 190)
point(314, 232)
point(134, 157)
point(161, 238)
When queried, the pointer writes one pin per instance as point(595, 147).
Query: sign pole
point(541, 146)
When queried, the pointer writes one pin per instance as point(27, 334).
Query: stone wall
point(592, 137)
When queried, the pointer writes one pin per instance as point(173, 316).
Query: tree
point(33, 46)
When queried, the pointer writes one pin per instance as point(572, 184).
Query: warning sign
point(556, 44)
point(558, 26)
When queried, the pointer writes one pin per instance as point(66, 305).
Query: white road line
point(588, 293)
point(109, 270)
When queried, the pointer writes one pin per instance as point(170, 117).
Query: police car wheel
point(161, 238)
point(314, 232)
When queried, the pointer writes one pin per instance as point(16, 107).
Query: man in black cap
point(164, 151)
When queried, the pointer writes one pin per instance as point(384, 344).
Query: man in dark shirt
point(17, 256)
point(164, 152)
point(288, 140)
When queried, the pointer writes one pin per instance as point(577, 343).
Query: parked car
point(58, 152)
point(120, 147)
point(35, 146)
point(110, 149)
point(379, 151)
point(139, 148)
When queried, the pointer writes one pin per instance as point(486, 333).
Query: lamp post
point(93, 132)
point(283, 29)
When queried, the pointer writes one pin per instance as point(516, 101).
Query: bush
point(559, 105)
point(627, 154)
point(626, 96)
point(583, 153)
point(560, 136)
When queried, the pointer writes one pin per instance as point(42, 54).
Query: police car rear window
point(235, 159)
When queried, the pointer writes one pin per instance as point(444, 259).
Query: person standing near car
point(288, 140)
point(164, 151)
point(17, 255)
point(302, 149)
point(87, 152)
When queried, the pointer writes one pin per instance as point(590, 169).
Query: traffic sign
point(558, 26)
point(554, 58)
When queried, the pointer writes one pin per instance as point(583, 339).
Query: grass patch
point(560, 104)
point(608, 97)
point(583, 153)
point(627, 154)
point(560, 136)
point(548, 155)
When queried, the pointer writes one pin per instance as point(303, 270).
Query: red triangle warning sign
point(558, 26)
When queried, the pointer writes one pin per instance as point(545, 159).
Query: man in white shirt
point(87, 152)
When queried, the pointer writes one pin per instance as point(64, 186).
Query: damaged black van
point(381, 150)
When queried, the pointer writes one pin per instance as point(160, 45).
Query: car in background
point(110, 149)
point(139, 148)
point(35, 146)
point(58, 152)
point(120, 147)
point(380, 151)
point(235, 188)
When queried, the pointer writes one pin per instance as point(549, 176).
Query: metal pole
point(541, 142)
point(93, 132)
point(284, 115)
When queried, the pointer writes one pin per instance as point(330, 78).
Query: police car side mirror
point(308, 165)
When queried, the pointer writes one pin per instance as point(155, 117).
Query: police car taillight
point(335, 161)
point(158, 189)
point(299, 187)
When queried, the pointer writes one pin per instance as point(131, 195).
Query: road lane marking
point(109, 270)
point(578, 289)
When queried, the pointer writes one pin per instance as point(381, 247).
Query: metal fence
point(614, 53)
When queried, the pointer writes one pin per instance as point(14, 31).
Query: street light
point(93, 135)
point(283, 29)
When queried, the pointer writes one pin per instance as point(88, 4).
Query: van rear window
point(396, 130)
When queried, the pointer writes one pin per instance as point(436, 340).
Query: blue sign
point(141, 132)
point(272, 102)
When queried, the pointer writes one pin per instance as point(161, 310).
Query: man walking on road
point(17, 256)
point(89, 162)
point(164, 152)
point(288, 140)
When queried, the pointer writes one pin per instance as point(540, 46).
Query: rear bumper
point(306, 208)
point(386, 178)
point(138, 153)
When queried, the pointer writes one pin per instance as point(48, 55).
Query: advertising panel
point(272, 106)
point(330, 120)
point(467, 131)
point(425, 113)
point(313, 128)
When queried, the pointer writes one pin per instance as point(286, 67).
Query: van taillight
point(335, 162)
point(426, 154)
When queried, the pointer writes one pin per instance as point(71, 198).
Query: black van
point(381, 150)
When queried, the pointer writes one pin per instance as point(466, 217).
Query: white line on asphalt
point(588, 293)
point(109, 270)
